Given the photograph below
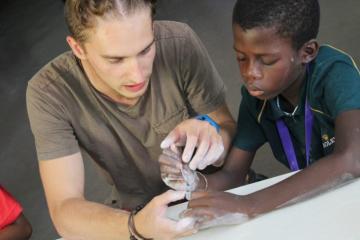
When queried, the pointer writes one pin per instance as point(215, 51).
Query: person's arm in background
point(18, 230)
point(13, 224)
point(76, 218)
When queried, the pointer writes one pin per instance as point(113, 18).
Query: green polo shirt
point(332, 87)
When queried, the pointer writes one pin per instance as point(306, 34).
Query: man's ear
point(309, 51)
point(76, 47)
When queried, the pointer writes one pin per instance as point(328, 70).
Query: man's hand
point(151, 221)
point(200, 135)
point(176, 174)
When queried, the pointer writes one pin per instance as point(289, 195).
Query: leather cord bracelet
point(205, 181)
point(134, 234)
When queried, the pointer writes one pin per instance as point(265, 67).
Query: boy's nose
point(252, 72)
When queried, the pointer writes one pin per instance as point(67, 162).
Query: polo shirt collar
point(275, 113)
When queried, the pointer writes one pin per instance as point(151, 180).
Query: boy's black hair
point(295, 19)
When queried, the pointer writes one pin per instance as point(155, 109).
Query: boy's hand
point(217, 208)
point(191, 134)
point(151, 221)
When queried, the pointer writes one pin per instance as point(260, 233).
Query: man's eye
point(115, 61)
point(145, 51)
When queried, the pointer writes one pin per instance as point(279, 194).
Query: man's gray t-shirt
point(67, 114)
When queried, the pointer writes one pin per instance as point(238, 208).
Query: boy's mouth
point(254, 91)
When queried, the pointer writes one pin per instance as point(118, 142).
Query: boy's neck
point(292, 93)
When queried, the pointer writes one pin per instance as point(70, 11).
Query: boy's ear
point(76, 47)
point(309, 51)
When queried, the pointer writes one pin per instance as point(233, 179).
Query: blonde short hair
point(80, 15)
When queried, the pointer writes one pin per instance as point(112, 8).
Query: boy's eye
point(240, 59)
point(269, 61)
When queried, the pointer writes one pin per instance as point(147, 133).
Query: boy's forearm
point(224, 180)
point(81, 219)
point(320, 177)
point(227, 133)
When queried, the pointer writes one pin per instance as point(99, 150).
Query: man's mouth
point(135, 87)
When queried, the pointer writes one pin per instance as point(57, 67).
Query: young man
point(301, 98)
point(126, 84)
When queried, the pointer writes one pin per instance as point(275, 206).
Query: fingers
point(208, 152)
point(169, 166)
point(168, 197)
point(176, 182)
point(196, 136)
point(172, 152)
point(191, 143)
point(170, 162)
point(176, 137)
point(200, 214)
point(185, 227)
point(203, 217)
point(213, 154)
point(201, 151)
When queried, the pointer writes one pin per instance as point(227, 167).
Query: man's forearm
point(81, 219)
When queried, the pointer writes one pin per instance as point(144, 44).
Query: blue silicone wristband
point(208, 119)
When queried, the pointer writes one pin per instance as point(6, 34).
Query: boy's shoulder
point(328, 64)
point(329, 54)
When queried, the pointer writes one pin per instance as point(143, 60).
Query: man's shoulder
point(55, 71)
point(171, 29)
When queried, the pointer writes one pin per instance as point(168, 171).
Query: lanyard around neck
point(286, 141)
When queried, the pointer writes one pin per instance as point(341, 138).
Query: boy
point(298, 96)
point(13, 224)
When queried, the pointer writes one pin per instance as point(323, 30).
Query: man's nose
point(135, 70)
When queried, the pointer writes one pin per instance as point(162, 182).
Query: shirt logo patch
point(327, 142)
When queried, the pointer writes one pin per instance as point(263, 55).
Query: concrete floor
point(32, 32)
